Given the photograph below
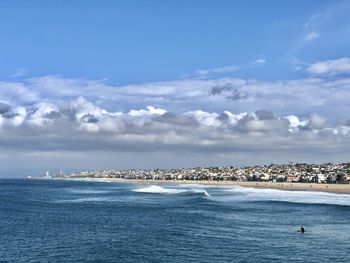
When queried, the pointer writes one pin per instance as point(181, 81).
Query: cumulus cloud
point(81, 125)
point(89, 118)
point(330, 67)
point(264, 115)
point(295, 122)
point(4, 108)
point(148, 112)
point(42, 113)
point(317, 121)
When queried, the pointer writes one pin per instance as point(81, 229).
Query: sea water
point(70, 221)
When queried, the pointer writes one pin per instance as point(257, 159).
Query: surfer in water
point(301, 230)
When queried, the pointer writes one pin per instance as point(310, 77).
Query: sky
point(88, 85)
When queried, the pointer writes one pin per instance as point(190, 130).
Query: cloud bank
point(81, 125)
point(245, 120)
point(301, 97)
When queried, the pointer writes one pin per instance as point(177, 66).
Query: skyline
point(149, 84)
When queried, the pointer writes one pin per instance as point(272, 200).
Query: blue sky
point(141, 41)
point(100, 84)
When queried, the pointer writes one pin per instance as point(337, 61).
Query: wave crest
point(155, 189)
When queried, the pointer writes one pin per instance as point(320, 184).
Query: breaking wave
point(306, 197)
point(155, 189)
point(223, 194)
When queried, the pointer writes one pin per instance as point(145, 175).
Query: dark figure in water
point(301, 230)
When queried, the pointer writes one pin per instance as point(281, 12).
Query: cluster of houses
point(300, 172)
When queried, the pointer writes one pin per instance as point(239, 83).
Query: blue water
point(64, 221)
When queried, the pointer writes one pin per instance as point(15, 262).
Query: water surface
point(67, 221)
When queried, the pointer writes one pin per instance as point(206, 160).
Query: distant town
point(300, 172)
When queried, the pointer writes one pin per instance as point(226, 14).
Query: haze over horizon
point(154, 84)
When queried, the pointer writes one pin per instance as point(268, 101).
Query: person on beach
point(301, 230)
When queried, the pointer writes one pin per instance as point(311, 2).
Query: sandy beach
point(332, 188)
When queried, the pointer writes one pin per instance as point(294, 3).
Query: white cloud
point(81, 107)
point(311, 36)
point(148, 112)
point(260, 61)
point(294, 121)
point(330, 67)
point(298, 97)
point(18, 92)
point(82, 119)
point(92, 118)
point(219, 70)
point(317, 121)
point(205, 118)
point(142, 116)
point(39, 117)
point(20, 114)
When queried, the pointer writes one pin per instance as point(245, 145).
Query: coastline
point(330, 188)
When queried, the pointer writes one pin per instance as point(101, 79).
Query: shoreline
point(330, 188)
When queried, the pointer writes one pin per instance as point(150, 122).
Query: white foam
point(87, 199)
point(197, 186)
point(87, 191)
point(308, 197)
point(155, 189)
point(200, 191)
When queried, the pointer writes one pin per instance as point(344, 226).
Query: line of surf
point(155, 189)
point(306, 197)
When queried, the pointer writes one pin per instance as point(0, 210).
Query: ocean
point(70, 221)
